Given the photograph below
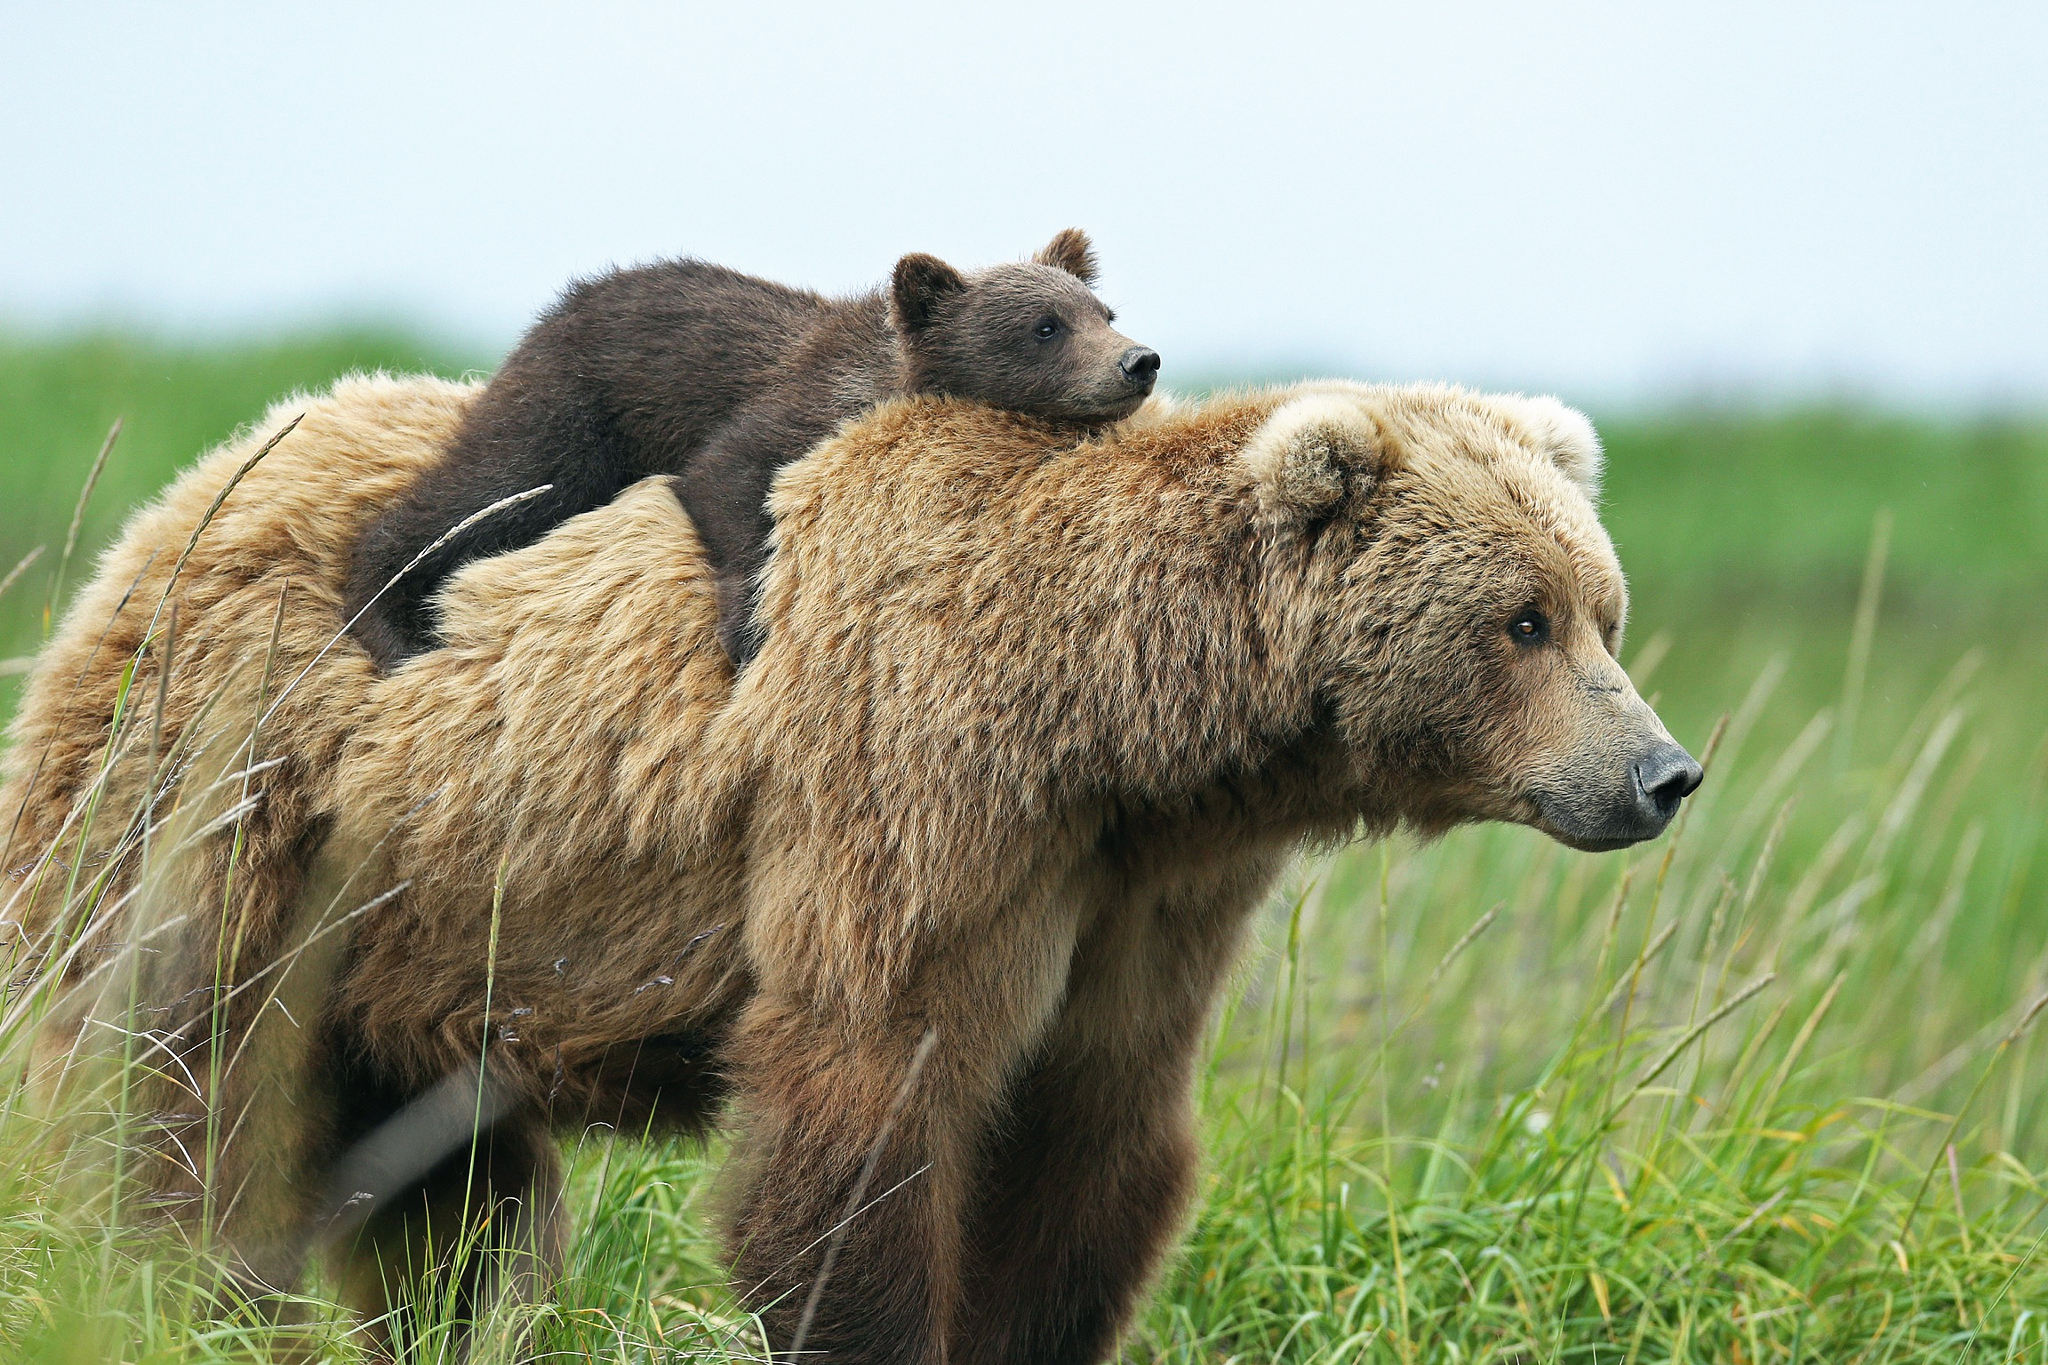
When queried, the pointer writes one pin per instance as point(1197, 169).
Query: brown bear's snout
point(1140, 365)
point(1614, 810)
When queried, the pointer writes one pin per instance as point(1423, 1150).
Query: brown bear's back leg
point(422, 1256)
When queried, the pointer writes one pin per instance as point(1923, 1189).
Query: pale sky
point(1618, 201)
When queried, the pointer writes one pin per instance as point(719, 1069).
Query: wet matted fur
point(939, 892)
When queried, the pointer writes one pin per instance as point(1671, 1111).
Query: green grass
point(1571, 1136)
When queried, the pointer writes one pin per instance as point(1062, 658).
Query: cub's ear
point(1070, 251)
point(919, 287)
point(1566, 435)
point(1305, 456)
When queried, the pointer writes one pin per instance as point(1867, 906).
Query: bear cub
point(718, 379)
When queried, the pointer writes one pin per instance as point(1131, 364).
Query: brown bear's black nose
point(1666, 776)
point(1140, 364)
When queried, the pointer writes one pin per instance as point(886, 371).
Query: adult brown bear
point(938, 895)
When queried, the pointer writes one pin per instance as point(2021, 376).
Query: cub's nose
point(1140, 364)
point(1666, 776)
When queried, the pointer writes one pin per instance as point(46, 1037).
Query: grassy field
point(1761, 1091)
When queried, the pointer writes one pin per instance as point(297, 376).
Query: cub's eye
point(1530, 627)
point(1047, 329)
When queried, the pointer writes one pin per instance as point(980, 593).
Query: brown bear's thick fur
point(940, 893)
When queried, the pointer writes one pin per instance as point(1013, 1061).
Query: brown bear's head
point(1465, 638)
point(1031, 337)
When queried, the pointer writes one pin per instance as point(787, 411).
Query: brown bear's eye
point(1530, 627)
point(1047, 329)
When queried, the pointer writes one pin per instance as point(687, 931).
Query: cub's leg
point(725, 491)
point(506, 448)
point(482, 1229)
point(863, 1125)
point(1085, 1185)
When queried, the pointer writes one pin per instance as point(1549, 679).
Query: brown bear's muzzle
point(1625, 808)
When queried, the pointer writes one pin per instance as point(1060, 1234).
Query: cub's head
point(1462, 610)
point(1031, 337)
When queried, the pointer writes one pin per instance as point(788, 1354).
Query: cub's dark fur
point(719, 379)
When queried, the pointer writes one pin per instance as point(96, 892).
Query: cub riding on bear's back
point(718, 379)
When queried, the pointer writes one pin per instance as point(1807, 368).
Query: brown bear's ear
point(1071, 252)
point(917, 289)
point(1304, 457)
point(1565, 434)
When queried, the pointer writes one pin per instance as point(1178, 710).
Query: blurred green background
point(1745, 533)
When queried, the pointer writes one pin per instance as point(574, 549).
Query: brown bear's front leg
point(1087, 1179)
point(863, 1129)
point(1087, 1184)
